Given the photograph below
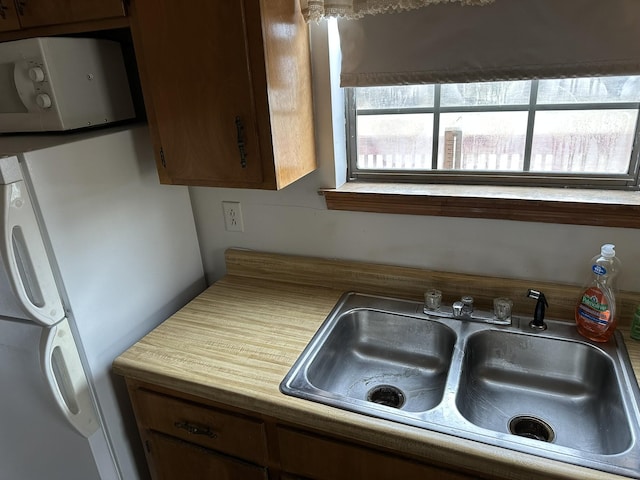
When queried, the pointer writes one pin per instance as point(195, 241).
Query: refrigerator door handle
point(66, 378)
point(25, 256)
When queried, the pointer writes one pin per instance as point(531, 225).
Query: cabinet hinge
point(162, 160)
point(240, 140)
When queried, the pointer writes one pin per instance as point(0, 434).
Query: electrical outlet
point(232, 217)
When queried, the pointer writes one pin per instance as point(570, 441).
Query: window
point(466, 51)
point(577, 132)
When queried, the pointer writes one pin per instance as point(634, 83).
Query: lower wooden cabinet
point(323, 458)
point(241, 436)
point(175, 459)
point(188, 439)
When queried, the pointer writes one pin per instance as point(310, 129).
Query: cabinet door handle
point(20, 4)
point(240, 140)
point(3, 13)
point(195, 429)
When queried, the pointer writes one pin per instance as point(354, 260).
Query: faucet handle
point(502, 308)
point(432, 299)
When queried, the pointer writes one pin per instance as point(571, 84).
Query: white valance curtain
point(318, 9)
point(504, 40)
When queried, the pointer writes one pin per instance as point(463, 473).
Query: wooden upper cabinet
point(38, 13)
point(8, 16)
point(227, 88)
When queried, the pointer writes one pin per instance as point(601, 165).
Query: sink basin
point(547, 389)
point(549, 393)
point(384, 358)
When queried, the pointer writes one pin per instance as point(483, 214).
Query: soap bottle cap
point(608, 250)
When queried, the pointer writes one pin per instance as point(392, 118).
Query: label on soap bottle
point(594, 309)
point(599, 269)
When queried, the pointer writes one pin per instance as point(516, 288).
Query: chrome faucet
point(462, 310)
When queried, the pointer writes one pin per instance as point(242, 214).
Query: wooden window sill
point(606, 208)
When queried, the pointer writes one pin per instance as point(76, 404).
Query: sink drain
point(531, 427)
point(386, 395)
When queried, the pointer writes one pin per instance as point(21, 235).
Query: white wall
point(296, 221)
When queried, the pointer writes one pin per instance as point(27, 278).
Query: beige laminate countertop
point(235, 342)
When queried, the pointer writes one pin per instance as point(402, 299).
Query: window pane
point(395, 141)
point(589, 90)
point(583, 141)
point(583, 130)
point(413, 96)
point(485, 94)
point(486, 141)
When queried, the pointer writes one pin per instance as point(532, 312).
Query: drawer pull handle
point(20, 5)
point(195, 429)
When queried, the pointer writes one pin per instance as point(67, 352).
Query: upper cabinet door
point(37, 13)
point(227, 88)
point(8, 16)
point(197, 83)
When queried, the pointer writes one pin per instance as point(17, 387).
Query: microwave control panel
point(32, 85)
point(61, 83)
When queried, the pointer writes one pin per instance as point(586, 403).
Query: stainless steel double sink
point(549, 393)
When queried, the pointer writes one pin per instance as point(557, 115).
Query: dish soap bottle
point(596, 309)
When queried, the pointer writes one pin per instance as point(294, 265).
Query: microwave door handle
point(65, 376)
point(25, 256)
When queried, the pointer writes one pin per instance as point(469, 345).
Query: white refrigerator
point(95, 253)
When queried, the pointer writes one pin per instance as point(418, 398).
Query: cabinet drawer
point(177, 460)
point(226, 432)
point(325, 459)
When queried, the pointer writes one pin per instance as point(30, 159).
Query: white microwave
point(60, 83)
